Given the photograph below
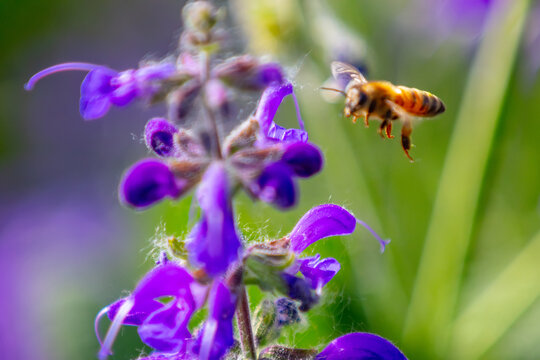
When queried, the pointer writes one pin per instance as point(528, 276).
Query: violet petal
point(59, 68)
point(159, 136)
point(361, 346)
point(216, 336)
point(319, 272)
point(153, 72)
point(167, 329)
point(268, 105)
point(148, 182)
point(95, 93)
point(138, 312)
point(269, 74)
point(125, 88)
point(164, 280)
point(304, 159)
point(320, 222)
point(300, 289)
point(280, 133)
point(214, 243)
point(275, 185)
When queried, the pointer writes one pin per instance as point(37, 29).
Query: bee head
point(356, 99)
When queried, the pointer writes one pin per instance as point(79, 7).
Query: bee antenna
point(332, 89)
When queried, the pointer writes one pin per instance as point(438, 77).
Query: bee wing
point(403, 114)
point(345, 73)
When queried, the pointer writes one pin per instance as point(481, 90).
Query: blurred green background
point(460, 279)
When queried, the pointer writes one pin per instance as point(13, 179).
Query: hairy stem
point(243, 320)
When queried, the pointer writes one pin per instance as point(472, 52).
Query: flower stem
point(243, 320)
point(209, 114)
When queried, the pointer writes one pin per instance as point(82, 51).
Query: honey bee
point(385, 101)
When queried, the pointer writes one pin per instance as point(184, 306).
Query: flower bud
point(245, 72)
point(200, 16)
point(159, 136)
point(182, 100)
point(304, 159)
point(148, 182)
point(275, 185)
point(242, 136)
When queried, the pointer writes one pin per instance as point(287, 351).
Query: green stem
point(438, 280)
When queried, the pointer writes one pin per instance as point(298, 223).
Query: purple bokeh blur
point(62, 230)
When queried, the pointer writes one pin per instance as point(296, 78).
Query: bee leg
point(406, 131)
point(366, 120)
point(382, 128)
point(354, 119)
point(389, 130)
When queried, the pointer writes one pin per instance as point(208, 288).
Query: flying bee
point(385, 101)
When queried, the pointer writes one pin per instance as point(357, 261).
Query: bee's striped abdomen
point(418, 102)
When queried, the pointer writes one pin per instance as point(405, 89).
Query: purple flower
point(276, 185)
point(216, 335)
point(266, 111)
point(361, 346)
point(149, 181)
point(318, 272)
point(103, 87)
point(173, 356)
point(214, 243)
point(304, 159)
point(159, 136)
point(163, 326)
point(275, 265)
point(318, 223)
